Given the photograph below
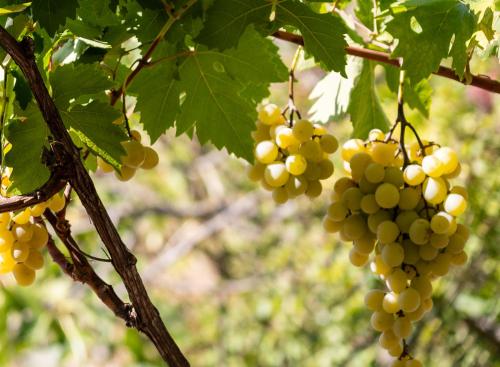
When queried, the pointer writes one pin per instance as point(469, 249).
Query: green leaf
point(332, 93)
point(93, 124)
point(226, 21)
point(158, 98)
point(13, 8)
point(214, 82)
point(97, 13)
point(425, 29)
point(364, 107)
point(323, 33)
point(53, 13)
point(22, 89)
point(28, 136)
point(80, 81)
point(416, 95)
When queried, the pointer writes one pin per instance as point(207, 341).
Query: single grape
point(365, 244)
point(6, 240)
point(266, 151)
point(331, 226)
point(368, 204)
point(134, 153)
point(303, 130)
point(23, 216)
point(296, 186)
point(405, 219)
point(455, 204)
point(34, 260)
point(387, 232)
point(381, 321)
point(104, 166)
point(394, 176)
point(326, 169)
point(351, 198)
point(296, 164)
point(276, 174)
point(427, 252)
point(358, 163)
point(126, 173)
point(414, 175)
point(432, 166)
point(409, 300)
point(374, 172)
point(402, 327)
point(409, 198)
point(423, 286)
point(448, 158)
point(311, 150)
point(20, 251)
point(337, 211)
point(397, 281)
point(328, 143)
point(384, 153)
point(40, 236)
point(22, 233)
point(270, 114)
point(357, 259)
point(352, 147)
point(393, 254)
point(378, 266)
point(314, 189)
point(374, 299)
point(342, 184)
point(24, 275)
point(420, 231)
point(390, 303)
point(256, 171)
point(151, 158)
point(387, 195)
point(355, 227)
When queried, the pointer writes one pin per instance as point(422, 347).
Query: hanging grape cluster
point(398, 207)
point(291, 158)
point(22, 237)
point(137, 156)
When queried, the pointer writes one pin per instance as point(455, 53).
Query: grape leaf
point(214, 81)
point(53, 13)
point(97, 13)
point(27, 134)
point(77, 81)
point(226, 21)
point(417, 96)
point(364, 106)
point(332, 93)
point(158, 98)
point(22, 89)
point(15, 8)
point(425, 28)
point(93, 124)
point(323, 33)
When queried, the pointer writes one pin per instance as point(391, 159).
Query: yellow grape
point(126, 173)
point(374, 172)
point(432, 166)
point(24, 275)
point(314, 189)
point(409, 198)
point(439, 240)
point(352, 147)
point(402, 327)
point(20, 251)
point(405, 219)
point(413, 363)
point(328, 143)
point(423, 286)
point(455, 204)
point(381, 321)
point(387, 232)
point(270, 115)
point(296, 186)
point(261, 132)
point(376, 134)
point(266, 151)
point(326, 169)
point(459, 258)
point(390, 304)
point(342, 184)
point(312, 172)
point(23, 217)
point(420, 231)
point(365, 244)
point(397, 280)
point(22, 233)
point(256, 171)
point(393, 254)
point(409, 300)
point(134, 153)
point(358, 164)
point(357, 259)
point(6, 240)
point(393, 175)
point(427, 252)
point(303, 130)
point(104, 166)
point(375, 219)
point(40, 236)
point(441, 222)
point(280, 195)
point(285, 138)
point(38, 209)
point(296, 164)
point(136, 135)
point(374, 299)
point(355, 227)
point(448, 158)
point(331, 226)
point(352, 198)
point(311, 150)
point(7, 263)
point(151, 158)
point(34, 260)
point(388, 339)
point(384, 153)
point(368, 204)
point(378, 266)
point(276, 174)
point(387, 195)
point(414, 175)
point(56, 203)
point(337, 211)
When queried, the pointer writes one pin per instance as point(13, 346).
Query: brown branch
point(44, 193)
point(81, 271)
point(148, 317)
point(480, 81)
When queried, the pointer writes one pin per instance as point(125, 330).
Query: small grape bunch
point(291, 158)
point(137, 156)
point(22, 238)
point(397, 205)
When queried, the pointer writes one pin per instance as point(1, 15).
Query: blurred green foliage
point(240, 281)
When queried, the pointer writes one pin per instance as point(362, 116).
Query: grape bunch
point(291, 158)
point(137, 156)
point(398, 206)
point(22, 237)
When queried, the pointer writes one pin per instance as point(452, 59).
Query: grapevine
point(397, 205)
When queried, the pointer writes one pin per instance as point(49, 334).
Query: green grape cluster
point(22, 238)
point(403, 213)
point(291, 159)
point(137, 156)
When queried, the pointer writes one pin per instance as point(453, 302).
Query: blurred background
point(241, 281)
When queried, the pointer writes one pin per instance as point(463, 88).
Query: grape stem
point(291, 107)
point(124, 112)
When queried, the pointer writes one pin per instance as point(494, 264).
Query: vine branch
point(124, 262)
point(479, 81)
